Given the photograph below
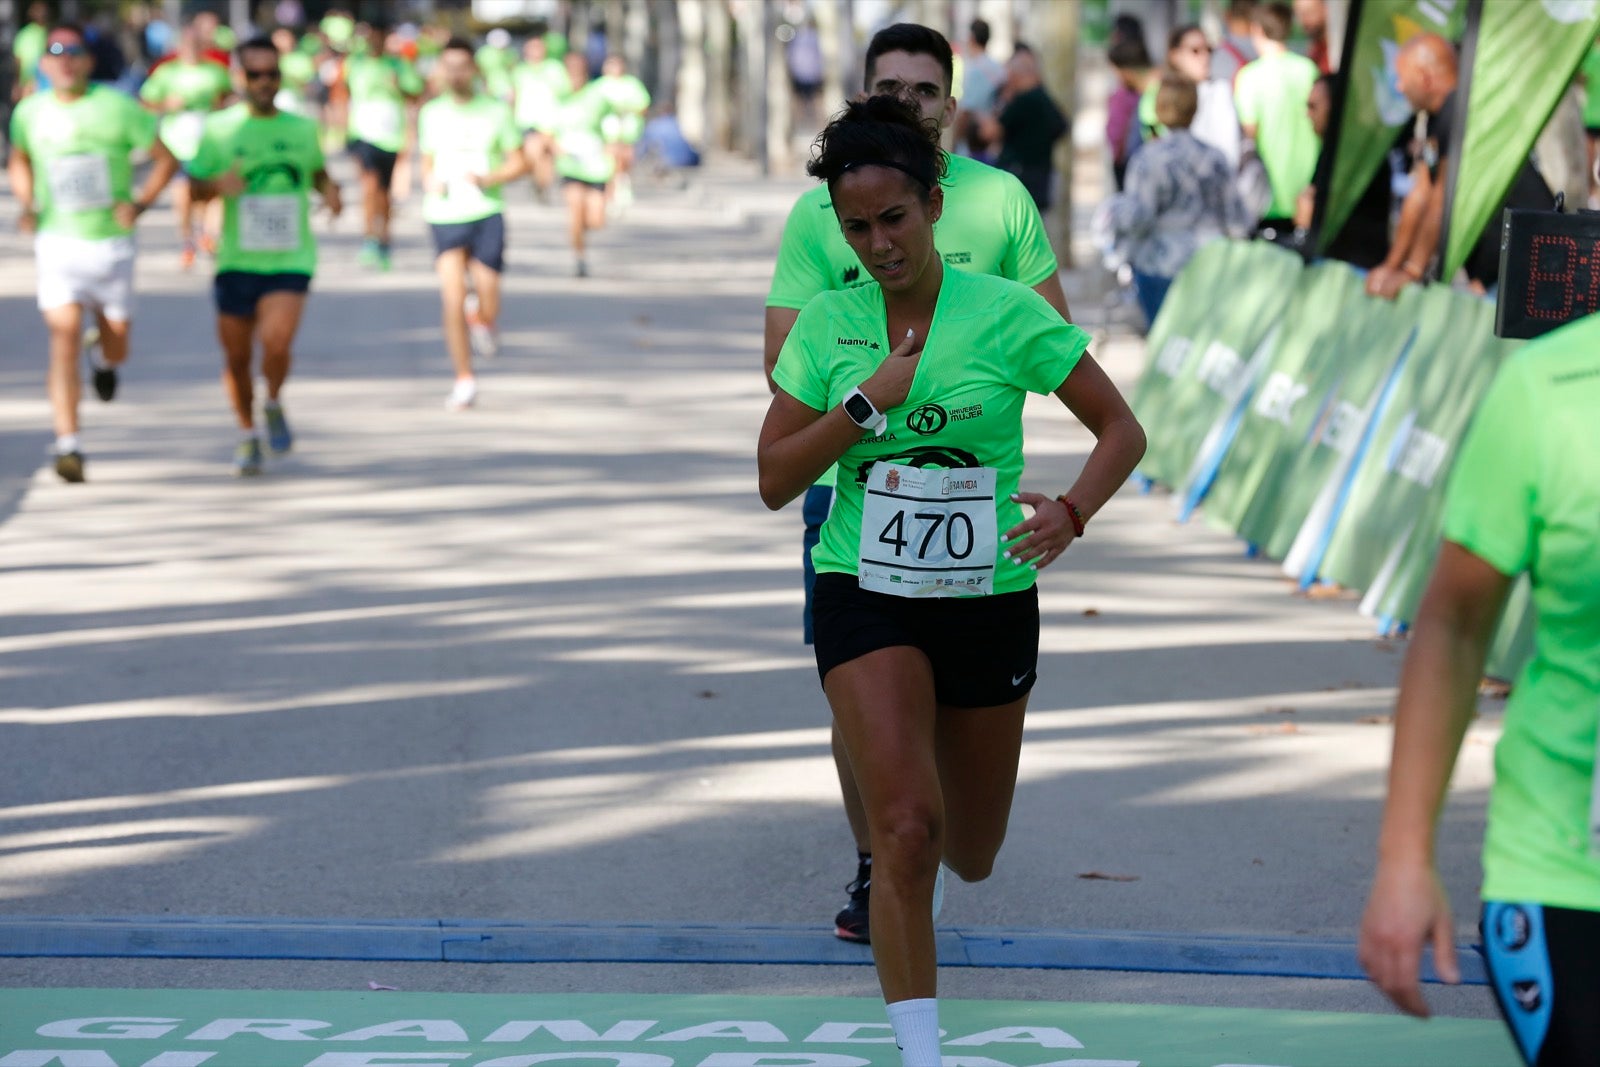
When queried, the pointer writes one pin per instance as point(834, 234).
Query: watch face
point(859, 408)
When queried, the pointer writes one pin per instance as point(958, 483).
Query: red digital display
point(1549, 271)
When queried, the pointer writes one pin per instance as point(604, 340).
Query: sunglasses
point(258, 75)
point(59, 49)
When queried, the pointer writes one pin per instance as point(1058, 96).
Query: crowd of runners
point(239, 138)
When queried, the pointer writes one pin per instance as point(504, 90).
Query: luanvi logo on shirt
point(859, 341)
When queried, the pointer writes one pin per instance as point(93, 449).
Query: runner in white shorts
point(72, 174)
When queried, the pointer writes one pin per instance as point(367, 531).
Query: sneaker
point(851, 922)
point(485, 340)
point(581, 270)
point(938, 893)
point(69, 465)
point(368, 256)
point(463, 396)
point(279, 439)
point(247, 458)
point(385, 262)
point(104, 376)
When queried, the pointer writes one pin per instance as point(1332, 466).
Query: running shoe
point(485, 341)
point(385, 262)
point(247, 458)
point(279, 439)
point(69, 465)
point(368, 256)
point(103, 375)
point(851, 922)
point(581, 270)
point(463, 396)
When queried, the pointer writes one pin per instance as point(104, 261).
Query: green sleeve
point(1493, 487)
point(224, 82)
point(1029, 257)
point(425, 131)
point(508, 138)
point(208, 158)
point(1045, 348)
point(409, 80)
point(153, 91)
point(19, 128)
point(1246, 101)
point(797, 372)
point(802, 268)
point(141, 125)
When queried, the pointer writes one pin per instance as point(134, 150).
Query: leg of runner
point(373, 202)
point(277, 321)
point(451, 266)
point(237, 335)
point(853, 923)
point(484, 327)
point(978, 751)
point(576, 193)
point(111, 351)
point(64, 384)
point(183, 209)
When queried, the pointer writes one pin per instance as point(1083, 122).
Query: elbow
point(1136, 442)
point(772, 493)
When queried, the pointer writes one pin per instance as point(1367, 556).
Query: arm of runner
point(1119, 445)
point(1438, 694)
point(163, 168)
point(775, 331)
point(514, 166)
point(798, 442)
point(1050, 289)
point(20, 171)
point(328, 189)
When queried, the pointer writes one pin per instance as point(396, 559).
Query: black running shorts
point(1544, 965)
point(374, 160)
point(984, 650)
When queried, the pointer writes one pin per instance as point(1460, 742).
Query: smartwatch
point(863, 414)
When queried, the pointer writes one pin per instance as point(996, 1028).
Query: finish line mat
point(249, 1028)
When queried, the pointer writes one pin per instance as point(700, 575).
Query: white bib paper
point(79, 182)
point(269, 223)
point(928, 531)
point(453, 169)
point(378, 119)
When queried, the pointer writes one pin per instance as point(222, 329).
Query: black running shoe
point(105, 382)
point(851, 922)
point(69, 465)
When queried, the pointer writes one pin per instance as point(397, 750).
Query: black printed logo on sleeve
point(850, 275)
point(858, 342)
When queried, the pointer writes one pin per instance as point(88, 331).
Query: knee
point(908, 839)
point(972, 868)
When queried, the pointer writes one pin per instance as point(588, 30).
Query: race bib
point(269, 223)
point(454, 171)
point(181, 133)
point(585, 148)
point(928, 531)
point(79, 182)
point(380, 120)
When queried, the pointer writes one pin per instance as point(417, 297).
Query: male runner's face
point(459, 70)
point(67, 61)
point(887, 223)
point(259, 69)
point(917, 79)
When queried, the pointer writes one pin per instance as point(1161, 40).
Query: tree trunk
point(780, 107)
point(719, 73)
point(691, 98)
point(1056, 43)
point(669, 53)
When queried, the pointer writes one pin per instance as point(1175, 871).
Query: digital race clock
point(1549, 271)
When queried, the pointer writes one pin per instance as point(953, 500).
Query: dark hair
point(1126, 28)
point(1129, 54)
point(1275, 19)
point(882, 131)
point(1328, 81)
point(67, 26)
point(916, 40)
point(1242, 9)
point(980, 33)
point(1175, 38)
point(459, 44)
point(259, 43)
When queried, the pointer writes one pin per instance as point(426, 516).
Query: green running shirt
point(1525, 496)
point(580, 135)
point(199, 85)
point(79, 152)
point(1270, 94)
point(267, 230)
point(465, 139)
point(539, 88)
point(379, 86)
point(992, 341)
point(989, 226)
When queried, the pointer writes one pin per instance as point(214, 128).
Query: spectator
point(1180, 195)
point(1028, 127)
point(1216, 123)
point(1237, 46)
point(1426, 72)
point(980, 90)
point(1312, 15)
point(804, 58)
point(1131, 61)
point(1271, 93)
point(1364, 238)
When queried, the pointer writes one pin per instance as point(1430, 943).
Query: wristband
point(1074, 514)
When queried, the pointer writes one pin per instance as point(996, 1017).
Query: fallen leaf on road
point(1280, 711)
point(1102, 876)
point(706, 694)
point(1091, 613)
point(1377, 720)
point(1277, 728)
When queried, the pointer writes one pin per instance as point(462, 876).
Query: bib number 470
point(957, 528)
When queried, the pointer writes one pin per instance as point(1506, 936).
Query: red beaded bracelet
point(1074, 514)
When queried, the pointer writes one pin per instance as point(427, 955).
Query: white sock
point(67, 442)
point(916, 1031)
point(246, 436)
point(272, 404)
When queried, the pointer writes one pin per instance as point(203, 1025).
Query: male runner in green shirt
point(72, 176)
point(470, 148)
point(629, 100)
point(27, 48)
point(381, 87)
point(183, 91)
point(263, 163)
point(989, 226)
point(538, 84)
point(582, 159)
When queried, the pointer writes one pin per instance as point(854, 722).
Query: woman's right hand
point(890, 384)
point(1407, 909)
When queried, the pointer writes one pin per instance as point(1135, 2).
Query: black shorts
point(984, 649)
point(1544, 965)
point(484, 240)
point(238, 292)
point(374, 160)
point(597, 186)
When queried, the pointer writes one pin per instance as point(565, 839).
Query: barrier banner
point(1313, 463)
point(1302, 368)
point(1240, 309)
point(1400, 481)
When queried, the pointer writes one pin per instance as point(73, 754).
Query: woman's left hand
point(1038, 541)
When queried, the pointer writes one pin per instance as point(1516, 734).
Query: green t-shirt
point(338, 29)
point(462, 140)
point(28, 48)
point(1525, 496)
point(200, 86)
point(495, 65)
point(539, 88)
point(989, 226)
point(1271, 94)
point(1591, 88)
point(267, 229)
point(79, 152)
point(379, 86)
point(992, 341)
point(580, 135)
point(299, 71)
point(629, 100)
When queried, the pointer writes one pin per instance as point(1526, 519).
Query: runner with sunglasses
point(72, 174)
